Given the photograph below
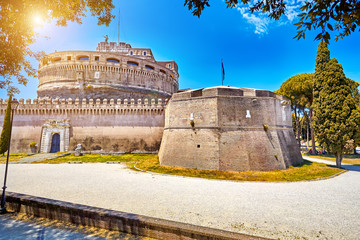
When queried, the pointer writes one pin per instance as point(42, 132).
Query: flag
point(222, 72)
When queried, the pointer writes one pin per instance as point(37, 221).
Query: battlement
point(226, 92)
point(86, 106)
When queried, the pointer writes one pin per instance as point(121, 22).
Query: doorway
point(55, 143)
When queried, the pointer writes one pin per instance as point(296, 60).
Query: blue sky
point(257, 52)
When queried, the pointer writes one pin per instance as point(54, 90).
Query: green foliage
point(340, 16)
point(299, 89)
point(17, 31)
point(32, 144)
point(336, 110)
point(5, 134)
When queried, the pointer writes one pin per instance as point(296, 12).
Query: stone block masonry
point(121, 125)
point(225, 128)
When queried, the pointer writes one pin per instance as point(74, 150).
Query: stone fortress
point(116, 99)
point(229, 129)
point(111, 99)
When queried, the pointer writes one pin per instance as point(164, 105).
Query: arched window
point(113, 60)
point(149, 67)
point(82, 58)
point(132, 63)
point(56, 59)
point(144, 53)
point(131, 53)
point(162, 71)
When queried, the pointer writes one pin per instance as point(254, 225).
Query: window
point(133, 63)
point(97, 58)
point(144, 53)
point(83, 58)
point(131, 53)
point(149, 67)
point(169, 65)
point(113, 60)
point(68, 58)
point(162, 71)
point(56, 59)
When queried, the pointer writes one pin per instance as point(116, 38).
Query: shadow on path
point(349, 167)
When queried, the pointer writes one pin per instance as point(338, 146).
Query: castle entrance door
point(55, 136)
point(55, 143)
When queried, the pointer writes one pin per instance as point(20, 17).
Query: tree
point(336, 112)
point(17, 31)
point(341, 16)
point(299, 89)
point(5, 133)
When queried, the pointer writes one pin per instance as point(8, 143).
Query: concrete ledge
point(114, 220)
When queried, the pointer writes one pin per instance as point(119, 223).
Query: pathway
point(326, 209)
point(18, 230)
point(38, 158)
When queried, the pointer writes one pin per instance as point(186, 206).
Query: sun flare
point(37, 20)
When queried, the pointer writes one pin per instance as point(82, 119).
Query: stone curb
point(115, 220)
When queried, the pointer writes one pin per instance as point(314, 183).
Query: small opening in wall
point(96, 58)
point(198, 146)
point(68, 58)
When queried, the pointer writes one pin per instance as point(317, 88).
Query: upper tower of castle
point(114, 70)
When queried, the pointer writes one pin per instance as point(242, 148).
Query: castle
point(116, 99)
point(111, 99)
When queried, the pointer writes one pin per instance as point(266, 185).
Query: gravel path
point(38, 158)
point(327, 209)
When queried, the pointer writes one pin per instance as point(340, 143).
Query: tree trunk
point(307, 132)
point(312, 132)
point(339, 157)
point(297, 128)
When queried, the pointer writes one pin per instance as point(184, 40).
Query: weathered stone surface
point(228, 131)
point(120, 127)
point(113, 71)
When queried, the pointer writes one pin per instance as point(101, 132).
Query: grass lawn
point(98, 158)
point(351, 158)
point(306, 171)
point(150, 162)
point(12, 157)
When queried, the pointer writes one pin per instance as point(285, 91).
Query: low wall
point(115, 220)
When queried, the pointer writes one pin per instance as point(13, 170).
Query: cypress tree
point(5, 134)
point(336, 113)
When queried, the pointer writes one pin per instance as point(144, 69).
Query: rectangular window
point(97, 75)
point(68, 58)
point(96, 58)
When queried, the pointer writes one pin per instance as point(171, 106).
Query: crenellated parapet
point(87, 106)
point(126, 72)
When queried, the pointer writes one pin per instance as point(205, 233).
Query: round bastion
point(113, 71)
point(229, 129)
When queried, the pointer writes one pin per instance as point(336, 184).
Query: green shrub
point(5, 134)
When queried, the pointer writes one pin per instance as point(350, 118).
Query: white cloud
point(261, 21)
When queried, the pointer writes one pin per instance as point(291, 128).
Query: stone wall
point(233, 129)
point(94, 74)
point(114, 125)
